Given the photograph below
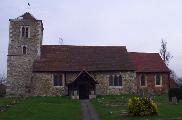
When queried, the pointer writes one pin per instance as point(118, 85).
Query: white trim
point(160, 80)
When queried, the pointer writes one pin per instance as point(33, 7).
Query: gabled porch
point(83, 87)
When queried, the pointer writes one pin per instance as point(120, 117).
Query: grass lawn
point(118, 106)
point(42, 108)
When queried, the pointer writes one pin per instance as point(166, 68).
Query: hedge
point(175, 92)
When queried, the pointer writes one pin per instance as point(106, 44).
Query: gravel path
point(88, 111)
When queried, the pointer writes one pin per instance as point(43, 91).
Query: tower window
point(25, 31)
point(24, 50)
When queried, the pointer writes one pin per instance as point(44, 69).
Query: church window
point(115, 80)
point(24, 50)
point(58, 79)
point(142, 80)
point(120, 81)
point(158, 80)
point(110, 80)
point(25, 31)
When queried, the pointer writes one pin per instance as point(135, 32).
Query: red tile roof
point(148, 62)
point(78, 58)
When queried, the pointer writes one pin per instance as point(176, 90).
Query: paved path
point(88, 111)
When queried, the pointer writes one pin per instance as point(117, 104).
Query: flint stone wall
point(42, 83)
point(19, 66)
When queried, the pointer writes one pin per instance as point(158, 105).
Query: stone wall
point(103, 88)
point(19, 65)
point(42, 83)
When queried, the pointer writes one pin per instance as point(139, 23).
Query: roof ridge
point(85, 45)
point(144, 52)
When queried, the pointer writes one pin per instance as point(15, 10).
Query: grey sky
point(137, 24)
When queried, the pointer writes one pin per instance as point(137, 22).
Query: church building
point(82, 72)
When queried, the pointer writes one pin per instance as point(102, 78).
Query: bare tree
point(165, 54)
point(179, 82)
point(2, 79)
point(173, 75)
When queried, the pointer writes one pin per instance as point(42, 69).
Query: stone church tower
point(25, 40)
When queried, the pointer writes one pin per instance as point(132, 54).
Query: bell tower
point(25, 40)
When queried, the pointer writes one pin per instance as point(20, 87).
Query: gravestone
point(174, 100)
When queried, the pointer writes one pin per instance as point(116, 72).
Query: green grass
point(118, 106)
point(42, 108)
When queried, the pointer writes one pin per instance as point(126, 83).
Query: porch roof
point(81, 74)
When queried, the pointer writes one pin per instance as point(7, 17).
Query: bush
point(141, 106)
point(2, 90)
point(175, 92)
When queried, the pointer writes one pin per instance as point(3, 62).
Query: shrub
point(142, 106)
point(175, 92)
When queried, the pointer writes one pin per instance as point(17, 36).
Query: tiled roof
point(27, 16)
point(78, 58)
point(148, 62)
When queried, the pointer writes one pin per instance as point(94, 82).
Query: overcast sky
point(137, 24)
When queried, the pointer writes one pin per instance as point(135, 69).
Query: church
point(81, 72)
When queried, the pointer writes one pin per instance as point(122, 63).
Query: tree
point(2, 79)
point(179, 82)
point(166, 56)
point(173, 75)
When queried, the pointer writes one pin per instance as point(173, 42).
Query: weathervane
point(61, 41)
point(28, 5)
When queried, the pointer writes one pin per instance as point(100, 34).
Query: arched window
point(115, 80)
point(24, 50)
point(23, 31)
point(158, 80)
point(120, 81)
point(27, 32)
point(58, 79)
point(142, 80)
point(111, 80)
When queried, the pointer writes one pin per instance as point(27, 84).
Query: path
point(88, 111)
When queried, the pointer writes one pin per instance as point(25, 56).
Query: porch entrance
point(83, 87)
point(84, 91)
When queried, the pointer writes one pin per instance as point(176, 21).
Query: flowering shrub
point(141, 106)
